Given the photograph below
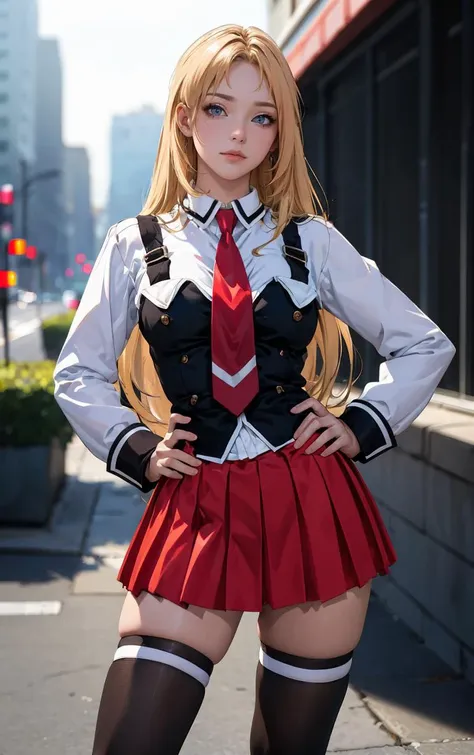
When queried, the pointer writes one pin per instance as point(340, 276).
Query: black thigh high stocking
point(297, 702)
point(151, 696)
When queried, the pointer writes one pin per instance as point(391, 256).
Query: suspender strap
point(293, 252)
point(156, 253)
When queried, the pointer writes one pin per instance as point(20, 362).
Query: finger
point(304, 425)
point(177, 419)
point(306, 404)
point(177, 436)
point(310, 403)
point(182, 435)
point(171, 463)
point(175, 453)
point(325, 437)
point(336, 446)
point(325, 421)
point(166, 472)
point(319, 409)
point(307, 433)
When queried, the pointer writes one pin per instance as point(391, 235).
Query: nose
point(238, 135)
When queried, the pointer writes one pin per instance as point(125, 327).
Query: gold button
point(255, 253)
point(184, 359)
point(297, 315)
point(165, 319)
point(193, 400)
point(280, 389)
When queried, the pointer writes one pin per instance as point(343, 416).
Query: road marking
point(25, 329)
point(30, 608)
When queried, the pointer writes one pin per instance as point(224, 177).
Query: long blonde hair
point(283, 185)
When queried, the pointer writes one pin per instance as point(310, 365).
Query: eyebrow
point(232, 99)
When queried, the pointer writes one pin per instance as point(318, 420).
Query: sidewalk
point(402, 697)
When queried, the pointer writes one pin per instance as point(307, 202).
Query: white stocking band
point(318, 676)
point(162, 656)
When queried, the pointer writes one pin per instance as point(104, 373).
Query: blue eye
point(269, 119)
point(211, 110)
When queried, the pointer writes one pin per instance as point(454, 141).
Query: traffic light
point(7, 195)
point(31, 252)
point(87, 268)
point(80, 259)
point(7, 278)
point(17, 247)
point(69, 272)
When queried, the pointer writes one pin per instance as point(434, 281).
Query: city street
point(298, 180)
point(23, 325)
point(59, 605)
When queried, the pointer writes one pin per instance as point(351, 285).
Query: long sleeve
point(87, 366)
point(415, 350)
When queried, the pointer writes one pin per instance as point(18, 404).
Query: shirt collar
point(203, 209)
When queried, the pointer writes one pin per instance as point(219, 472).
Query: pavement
point(59, 606)
point(24, 321)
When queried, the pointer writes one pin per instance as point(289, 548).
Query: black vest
point(180, 346)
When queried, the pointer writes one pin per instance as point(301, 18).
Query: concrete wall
point(279, 13)
point(425, 491)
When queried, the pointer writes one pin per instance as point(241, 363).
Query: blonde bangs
point(283, 185)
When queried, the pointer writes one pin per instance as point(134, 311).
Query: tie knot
point(226, 220)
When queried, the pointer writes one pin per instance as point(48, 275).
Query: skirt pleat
point(284, 576)
point(282, 529)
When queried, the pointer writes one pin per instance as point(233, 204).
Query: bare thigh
point(210, 632)
point(317, 630)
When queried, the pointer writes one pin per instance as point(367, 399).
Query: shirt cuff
point(371, 429)
point(130, 453)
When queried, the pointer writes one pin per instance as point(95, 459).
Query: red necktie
point(234, 366)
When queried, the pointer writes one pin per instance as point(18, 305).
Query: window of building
point(4, 75)
point(4, 121)
point(3, 98)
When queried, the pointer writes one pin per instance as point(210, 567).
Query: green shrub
point(55, 330)
point(29, 413)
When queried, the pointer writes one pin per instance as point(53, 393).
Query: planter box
point(31, 479)
point(52, 344)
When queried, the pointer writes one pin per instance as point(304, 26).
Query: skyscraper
point(134, 141)
point(46, 221)
point(18, 43)
point(80, 219)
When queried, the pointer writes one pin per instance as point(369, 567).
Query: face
point(236, 126)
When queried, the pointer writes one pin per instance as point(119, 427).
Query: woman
point(232, 284)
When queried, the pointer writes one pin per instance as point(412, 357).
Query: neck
point(224, 190)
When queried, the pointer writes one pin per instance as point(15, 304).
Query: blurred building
point(18, 44)
point(80, 217)
point(388, 95)
point(134, 143)
point(388, 91)
point(101, 225)
point(46, 226)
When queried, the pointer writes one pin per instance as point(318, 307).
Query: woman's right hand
point(168, 461)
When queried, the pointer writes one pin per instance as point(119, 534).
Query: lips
point(232, 153)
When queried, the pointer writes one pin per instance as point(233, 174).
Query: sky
point(119, 54)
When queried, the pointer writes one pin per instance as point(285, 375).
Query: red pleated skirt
point(281, 529)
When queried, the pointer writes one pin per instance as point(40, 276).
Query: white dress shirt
point(350, 286)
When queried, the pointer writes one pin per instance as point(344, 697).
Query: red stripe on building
point(332, 29)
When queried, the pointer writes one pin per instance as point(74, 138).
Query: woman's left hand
point(336, 430)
